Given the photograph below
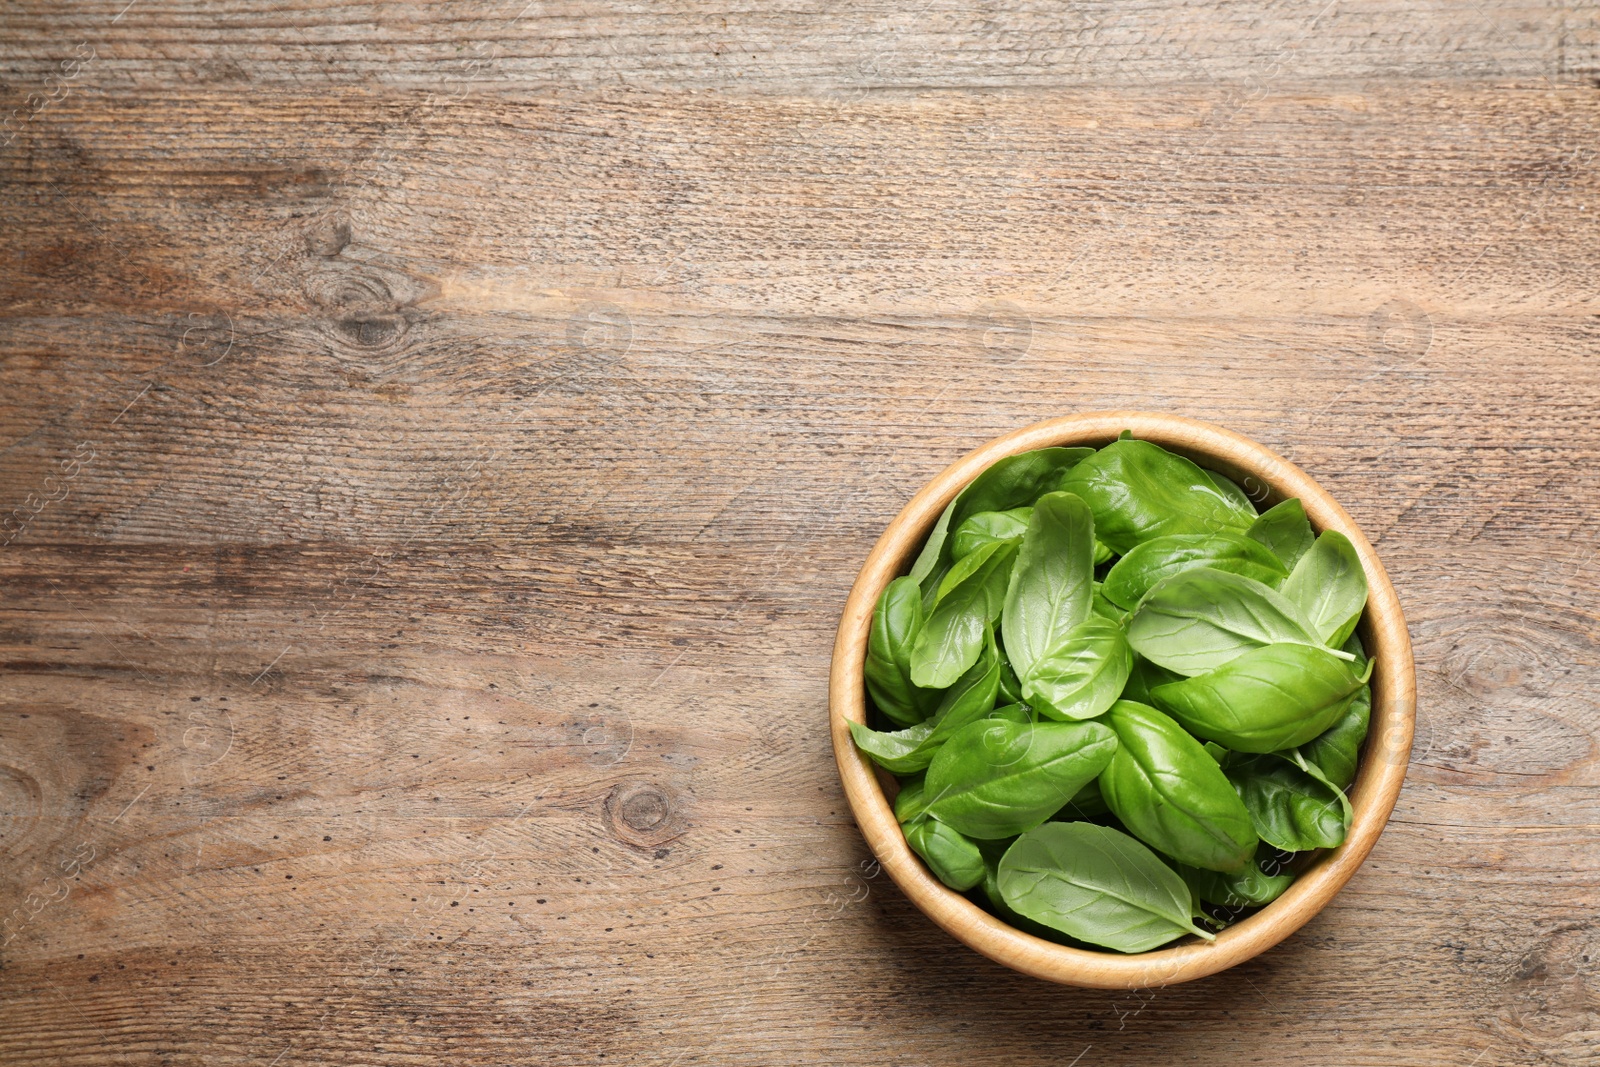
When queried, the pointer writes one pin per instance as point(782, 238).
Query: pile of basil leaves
point(1120, 700)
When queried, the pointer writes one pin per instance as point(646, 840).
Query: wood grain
point(436, 445)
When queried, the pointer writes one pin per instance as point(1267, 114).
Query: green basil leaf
point(1294, 756)
point(1251, 887)
point(1096, 884)
point(1171, 794)
point(1232, 490)
point(1140, 491)
point(1017, 712)
point(1104, 608)
point(988, 526)
point(1199, 619)
point(1291, 809)
point(979, 561)
point(1144, 677)
point(998, 779)
point(896, 622)
point(1050, 585)
point(911, 801)
point(1012, 482)
point(1267, 699)
point(1010, 686)
point(1335, 750)
point(1356, 649)
point(1102, 552)
point(1285, 530)
point(1145, 565)
point(1086, 803)
point(992, 852)
point(912, 749)
point(952, 638)
point(953, 859)
point(1329, 586)
point(1083, 675)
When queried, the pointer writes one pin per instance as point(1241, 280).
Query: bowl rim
point(1380, 772)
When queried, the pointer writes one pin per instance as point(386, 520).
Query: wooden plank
point(833, 48)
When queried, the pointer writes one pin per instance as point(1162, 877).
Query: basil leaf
point(999, 779)
point(1086, 803)
point(1096, 884)
point(1145, 565)
point(1140, 491)
point(1353, 645)
point(1010, 686)
point(1334, 751)
point(969, 600)
point(1083, 675)
point(1050, 584)
point(1329, 587)
point(1201, 618)
point(1291, 809)
point(1171, 794)
point(1232, 490)
point(1294, 756)
point(1267, 699)
point(1285, 530)
point(1251, 887)
point(1011, 482)
point(912, 749)
point(896, 622)
point(911, 800)
point(1099, 605)
point(992, 852)
point(952, 858)
point(1017, 712)
point(988, 526)
point(1144, 677)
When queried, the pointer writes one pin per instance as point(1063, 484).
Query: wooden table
point(438, 439)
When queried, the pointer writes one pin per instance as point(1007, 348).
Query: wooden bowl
point(1268, 478)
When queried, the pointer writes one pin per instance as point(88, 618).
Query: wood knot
point(645, 814)
point(21, 802)
point(364, 312)
point(370, 331)
point(328, 237)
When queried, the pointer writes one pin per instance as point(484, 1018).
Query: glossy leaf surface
point(1096, 884)
point(1270, 698)
point(1285, 530)
point(1171, 795)
point(1135, 574)
point(912, 749)
point(1199, 619)
point(998, 779)
point(1291, 809)
point(1051, 582)
point(1329, 587)
point(1139, 491)
point(953, 859)
point(896, 622)
point(969, 601)
point(1084, 675)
